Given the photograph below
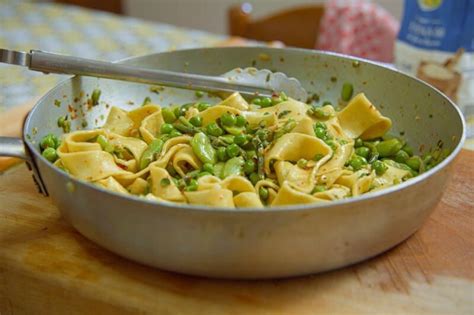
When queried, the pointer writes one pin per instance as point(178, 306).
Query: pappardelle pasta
point(272, 152)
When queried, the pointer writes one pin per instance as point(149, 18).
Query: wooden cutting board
point(46, 267)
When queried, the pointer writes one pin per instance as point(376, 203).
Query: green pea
point(233, 167)
point(240, 121)
point(321, 125)
point(175, 133)
point(414, 163)
point(166, 128)
point(193, 174)
point(50, 154)
point(320, 133)
point(168, 115)
point(266, 102)
point(327, 103)
point(203, 106)
point(388, 148)
point(240, 139)
point(249, 167)
point(199, 94)
point(257, 101)
point(263, 193)
point(358, 143)
point(232, 150)
point(331, 143)
point(363, 151)
point(346, 92)
point(213, 129)
point(149, 154)
point(208, 167)
point(95, 96)
point(318, 157)
point(262, 134)
point(357, 162)
point(302, 163)
point(228, 119)
point(192, 186)
point(196, 121)
point(165, 182)
point(401, 156)
point(408, 149)
point(179, 111)
point(251, 154)
point(318, 188)
point(49, 141)
point(379, 167)
point(277, 99)
point(222, 154)
point(201, 174)
point(61, 121)
point(254, 178)
point(203, 149)
point(147, 100)
point(319, 113)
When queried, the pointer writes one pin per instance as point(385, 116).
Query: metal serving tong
point(248, 82)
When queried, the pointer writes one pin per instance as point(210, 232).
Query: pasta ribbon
point(361, 119)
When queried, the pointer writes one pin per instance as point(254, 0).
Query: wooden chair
point(296, 27)
point(113, 6)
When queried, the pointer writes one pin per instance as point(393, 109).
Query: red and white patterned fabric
point(359, 28)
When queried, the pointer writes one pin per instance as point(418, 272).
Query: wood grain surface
point(46, 267)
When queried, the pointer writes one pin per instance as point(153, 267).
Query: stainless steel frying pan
point(250, 243)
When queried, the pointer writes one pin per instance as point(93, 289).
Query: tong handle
point(56, 63)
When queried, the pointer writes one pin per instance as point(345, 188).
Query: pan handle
point(15, 147)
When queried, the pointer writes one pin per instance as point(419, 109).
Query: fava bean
point(401, 156)
point(233, 167)
point(168, 115)
point(388, 148)
point(414, 163)
point(203, 149)
point(95, 96)
point(213, 129)
point(149, 154)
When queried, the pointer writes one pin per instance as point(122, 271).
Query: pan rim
point(287, 208)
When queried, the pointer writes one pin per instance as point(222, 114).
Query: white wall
point(211, 15)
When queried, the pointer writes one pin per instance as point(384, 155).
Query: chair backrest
point(296, 27)
point(114, 6)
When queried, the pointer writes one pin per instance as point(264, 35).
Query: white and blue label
point(443, 25)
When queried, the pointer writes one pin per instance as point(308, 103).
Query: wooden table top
point(46, 267)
